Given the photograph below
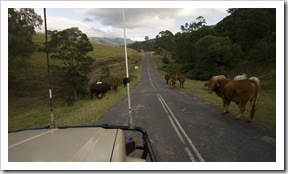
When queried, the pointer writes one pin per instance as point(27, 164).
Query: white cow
point(241, 77)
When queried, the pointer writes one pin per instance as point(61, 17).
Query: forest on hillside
point(246, 35)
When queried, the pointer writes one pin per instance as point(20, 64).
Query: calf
point(99, 89)
point(114, 85)
point(172, 81)
point(167, 77)
point(181, 79)
point(238, 91)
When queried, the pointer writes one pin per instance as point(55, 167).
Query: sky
point(139, 22)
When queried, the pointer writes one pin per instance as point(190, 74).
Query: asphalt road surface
point(183, 128)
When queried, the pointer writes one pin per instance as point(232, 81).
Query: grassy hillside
point(266, 112)
point(31, 107)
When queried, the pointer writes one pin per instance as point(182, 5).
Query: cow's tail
point(255, 100)
point(255, 79)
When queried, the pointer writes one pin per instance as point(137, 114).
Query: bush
point(70, 100)
point(166, 60)
point(263, 52)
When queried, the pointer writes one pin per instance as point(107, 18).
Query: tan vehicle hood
point(64, 145)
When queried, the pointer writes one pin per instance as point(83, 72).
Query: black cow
point(99, 89)
point(125, 81)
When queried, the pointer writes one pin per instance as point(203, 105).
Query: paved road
point(183, 128)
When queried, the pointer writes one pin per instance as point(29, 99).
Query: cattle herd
point(239, 90)
point(172, 78)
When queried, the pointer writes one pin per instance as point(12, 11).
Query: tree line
point(246, 34)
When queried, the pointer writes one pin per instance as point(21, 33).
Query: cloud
point(62, 23)
point(139, 22)
point(148, 17)
point(87, 19)
point(134, 17)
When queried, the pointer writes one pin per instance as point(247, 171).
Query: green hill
point(30, 107)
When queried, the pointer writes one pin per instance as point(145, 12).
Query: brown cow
point(181, 79)
point(167, 77)
point(238, 91)
point(255, 79)
point(114, 85)
point(172, 81)
point(100, 88)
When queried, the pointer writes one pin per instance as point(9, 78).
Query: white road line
point(182, 130)
point(154, 87)
point(28, 139)
point(190, 154)
point(168, 110)
point(176, 130)
point(172, 123)
point(162, 104)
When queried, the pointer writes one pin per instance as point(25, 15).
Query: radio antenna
point(130, 120)
point(52, 122)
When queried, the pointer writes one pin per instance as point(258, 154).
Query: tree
point(246, 27)
point(21, 28)
point(146, 38)
point(164, 43)
point(215, 55)
point(71, 46)
point(184, 50)
point(193, 26)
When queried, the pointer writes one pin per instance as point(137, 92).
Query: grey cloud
point(88, 19)
point(114, 16)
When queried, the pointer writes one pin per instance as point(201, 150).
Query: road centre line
point(181, 129)
point(190, 154)
point(171, 118)
point(171, 121)
point(176, 129)
point(153, 86)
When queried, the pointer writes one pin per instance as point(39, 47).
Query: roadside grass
point(87, 111)
point(265, 115)
point(84, 112)
point(32, 107)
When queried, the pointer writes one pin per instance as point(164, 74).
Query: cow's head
point(213, 83)
point(211, 86)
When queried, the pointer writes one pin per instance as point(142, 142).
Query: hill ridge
point(116, 41)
